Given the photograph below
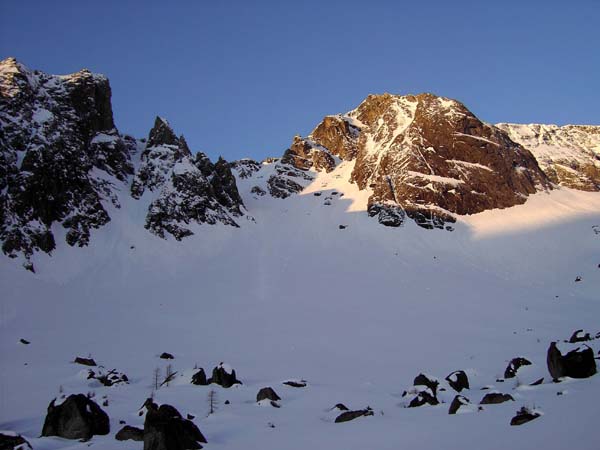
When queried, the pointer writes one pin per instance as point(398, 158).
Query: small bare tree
point(169, 375)
point(212, 401)
point(156, 379)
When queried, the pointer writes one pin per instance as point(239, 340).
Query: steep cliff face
point(569, 155)
point(423, 156)
point(60, 157)
point(431, 157)
point(63, 162)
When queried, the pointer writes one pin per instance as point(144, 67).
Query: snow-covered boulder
point(224, 375)
point(458, 380)
point(77, 417)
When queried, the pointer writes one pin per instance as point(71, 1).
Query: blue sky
point(240, 78)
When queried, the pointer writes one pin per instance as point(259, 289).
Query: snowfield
point(357, 312)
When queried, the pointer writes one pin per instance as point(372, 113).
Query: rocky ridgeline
point(569, 155)
point(62, 161)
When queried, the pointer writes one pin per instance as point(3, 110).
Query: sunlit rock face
point(423, 156)
point(569, 155)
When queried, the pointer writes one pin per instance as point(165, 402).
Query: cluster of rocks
point(79, 417)
point(222, 374)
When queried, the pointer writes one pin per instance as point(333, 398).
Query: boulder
point(77, 418)
point(458, 380)
point(494, 398)
point(424, 380)
point(295, 383)
point(8, 442)
point(108, 378)
point(537, 382)
point(514, 366)
point(341, 407)
point(347, 416)
point(165, 355)
point(130, 433)
point(422, 398)
point(578, 363)
point(224, 375)
point(458, 401)
point(524, 415)
point(267, 393)
point(166, 429)
point(199, 378)
point(24, 341)
point(85, 361)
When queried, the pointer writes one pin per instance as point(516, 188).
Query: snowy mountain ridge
point(423, 157)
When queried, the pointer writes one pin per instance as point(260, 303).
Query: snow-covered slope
point(357, 312)
point(570, 155)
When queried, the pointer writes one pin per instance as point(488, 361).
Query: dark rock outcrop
point(191, 189)
point(108, 377)
point(166, 429)
point(424, 380)
point(58, 149)
point(165, 355)
point(295, 383)
point(347, 416)
point(85, 361)
point(224, 376)
point(578, 363)
point(423, 398)
point(458, 401)
point(524, 415)
point(130, 433)
point(199, 378)
point(458, 380)
point(494, 398)
point(77, 418)
point(267, 393)
point(514, 365)
point(8, 442)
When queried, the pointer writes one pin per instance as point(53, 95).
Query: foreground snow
point(357, 312)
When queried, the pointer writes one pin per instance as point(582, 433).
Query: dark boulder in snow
point(458, 380)
point(165, 355)
point(130, 433)
point(199, 378)
point(8, 442)
point(423, 398)
point(85, 361)
point(341, 407)
point(267, 393)
point(524, 415)
point(166, 429)
point(494, 398)
point(458, 401)
point(295, 383)
point(424, 380)
point(514, 366)
point(347, 416)
point(224, 375)
point(537, 382)
point(77, 418)
point(24, 341)
point(108, 378)
point(579, 336)
point(578, 363)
